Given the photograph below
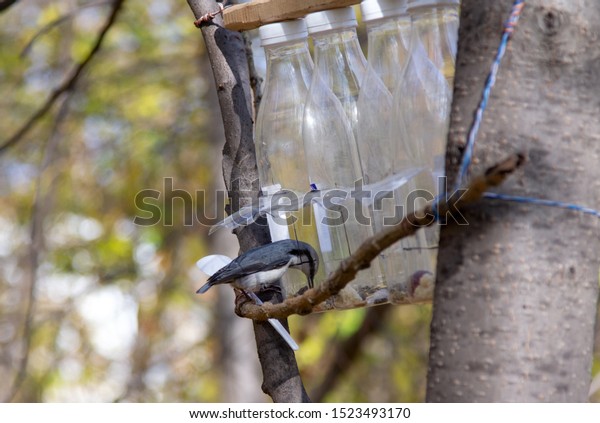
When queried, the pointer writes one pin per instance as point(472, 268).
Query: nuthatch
point(261, 266)
point(265, 265)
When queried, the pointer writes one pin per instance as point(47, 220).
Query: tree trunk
point(517, 289)
point(227, 56)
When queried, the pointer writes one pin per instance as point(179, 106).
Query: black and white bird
point(261, 266)
point(265, 265)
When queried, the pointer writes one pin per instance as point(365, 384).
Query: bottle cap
point(331, 19)
point(283, 32)
point(413, 4)
point(378, 9)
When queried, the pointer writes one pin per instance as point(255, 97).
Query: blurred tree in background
point(93, 306)
point(96, 308)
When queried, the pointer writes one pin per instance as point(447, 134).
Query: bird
point(265, 265)
point(261, 266)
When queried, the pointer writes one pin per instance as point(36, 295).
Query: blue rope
point(540, 202)
point(509, 27)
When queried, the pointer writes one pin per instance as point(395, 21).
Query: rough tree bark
point(226, 52)
point(517, 290)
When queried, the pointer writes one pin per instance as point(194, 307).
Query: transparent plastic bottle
point(422, 100)
point(387, 24)
point(278, 134)
point(330, 133)
point(437, 24)
point(388, 29)
point(435, 32)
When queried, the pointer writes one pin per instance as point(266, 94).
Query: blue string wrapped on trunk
point(509, 27)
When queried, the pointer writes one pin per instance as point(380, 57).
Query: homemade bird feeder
point(342, 125)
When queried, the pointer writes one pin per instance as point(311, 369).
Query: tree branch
point(68, 84)
point(58, 21)
point(373, 246)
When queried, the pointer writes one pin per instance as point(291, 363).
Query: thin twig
point(58, 21)
point(68, 84)
point(208, 17)
point(373, 246)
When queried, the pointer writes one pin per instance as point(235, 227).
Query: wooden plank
point(247, 16)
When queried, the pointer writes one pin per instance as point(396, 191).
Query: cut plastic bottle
point(387, 24)
point(422, 101)
point(330, 137)
point(278, 134)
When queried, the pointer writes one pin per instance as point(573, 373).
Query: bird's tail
point(204, 288)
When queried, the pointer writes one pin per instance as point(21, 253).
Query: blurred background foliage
point(96, 308)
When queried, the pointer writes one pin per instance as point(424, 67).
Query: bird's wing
point(245, 265)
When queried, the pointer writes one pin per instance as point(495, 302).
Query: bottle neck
point(435, 18)
point(297, 50)
point(436, 29)
point(288, 57)
point(285, 50)
point(341, 65)
point(388, 47)
point(438, 12)
point(343, 41)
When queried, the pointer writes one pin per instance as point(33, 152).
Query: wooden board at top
point(260, 12)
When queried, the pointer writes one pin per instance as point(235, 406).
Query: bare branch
point(46, 28)
point(68, 84)
point(373, 246)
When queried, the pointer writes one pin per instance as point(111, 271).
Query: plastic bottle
point(422, 100)
point(339, 60)
point(388, 29)
point(435, 31)
point(278, 133)
point(330, 132)
point(437, 24)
